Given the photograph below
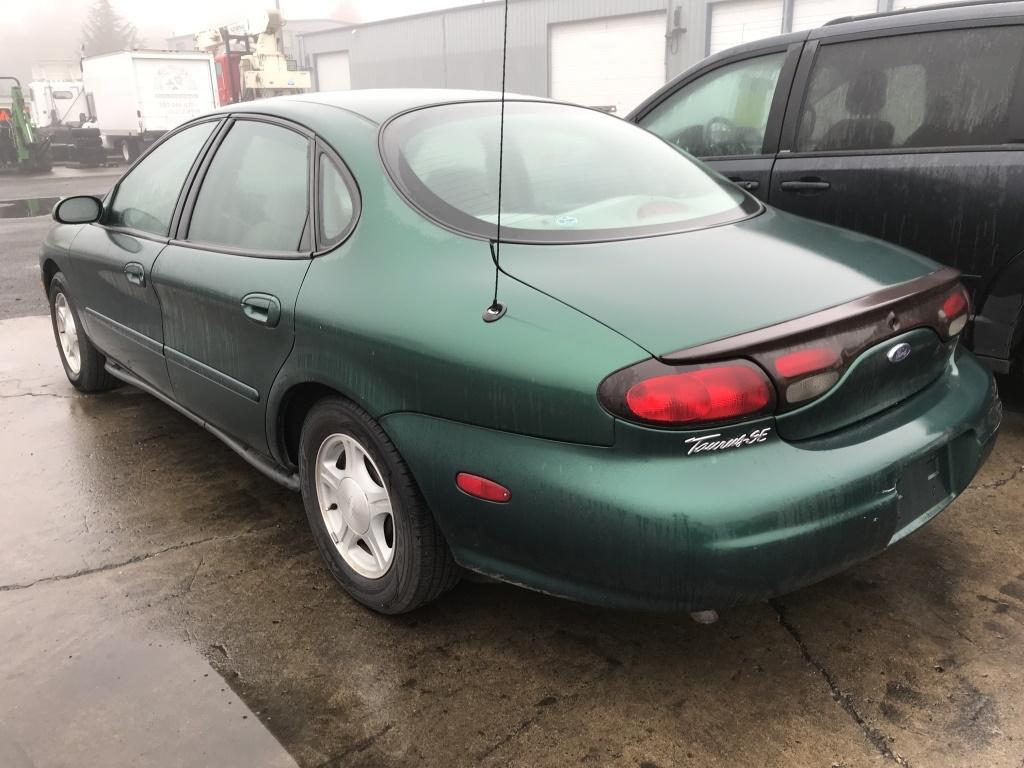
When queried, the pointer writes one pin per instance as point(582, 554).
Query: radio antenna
point(497, 310)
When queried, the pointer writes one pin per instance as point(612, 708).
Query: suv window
point(255, 193)
point(935, 89)
point(337, 207)
point(146, 197)
point(722, 113)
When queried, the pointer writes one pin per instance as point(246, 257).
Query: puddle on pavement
point(26, 208)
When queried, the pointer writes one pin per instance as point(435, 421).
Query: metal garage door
point(611, 62)
point(740, 21)
point(332, 72)
point(808, 14)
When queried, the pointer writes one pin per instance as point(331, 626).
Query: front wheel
point(368, 518)
point(83, 363)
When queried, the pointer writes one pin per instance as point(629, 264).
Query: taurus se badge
point(899, 353)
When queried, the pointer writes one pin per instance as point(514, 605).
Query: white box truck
point(137, 96)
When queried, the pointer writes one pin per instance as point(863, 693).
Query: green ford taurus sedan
point(680, 399)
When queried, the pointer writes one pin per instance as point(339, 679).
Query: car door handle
point(805, 185)
point(748, 184)
point(262, 308)
point(135, 273)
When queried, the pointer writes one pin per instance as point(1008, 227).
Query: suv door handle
point(748, 184)
point(262, 308)
point(805, 185)
point(135, 273)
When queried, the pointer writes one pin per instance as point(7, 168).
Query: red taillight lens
point(955, 304)
point(802, 361)
point(955, 310)
point(482, 488)
point(709, 394)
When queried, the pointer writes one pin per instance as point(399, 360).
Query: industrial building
point(602, 53)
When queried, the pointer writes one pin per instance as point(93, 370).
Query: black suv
point(908, 126)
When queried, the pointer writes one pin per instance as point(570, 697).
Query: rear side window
point(255, 193)
point(146, 197)
point(723, 113)
point(337, 203)
point(935, 89)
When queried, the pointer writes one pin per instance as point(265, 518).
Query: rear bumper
point(643, 525)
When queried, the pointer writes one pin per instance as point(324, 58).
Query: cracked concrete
point(877, 739)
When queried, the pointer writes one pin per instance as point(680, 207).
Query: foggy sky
point(34, 31)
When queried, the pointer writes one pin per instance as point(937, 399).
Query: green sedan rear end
point(687, 400)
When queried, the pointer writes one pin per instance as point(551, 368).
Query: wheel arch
point(50, 269)
point(998, 329)
point(290, 402)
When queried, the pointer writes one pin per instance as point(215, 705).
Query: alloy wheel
point(67, 333)
point(355, 505)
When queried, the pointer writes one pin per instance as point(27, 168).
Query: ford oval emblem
point(899, 353)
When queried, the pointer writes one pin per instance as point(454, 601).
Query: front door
point(728, 115)
point(908, 137)
point(229, 282)
point(113, 261)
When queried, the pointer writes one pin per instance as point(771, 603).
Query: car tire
point(410, 564)
point(83, 363)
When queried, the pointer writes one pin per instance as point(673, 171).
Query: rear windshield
point(570, 174)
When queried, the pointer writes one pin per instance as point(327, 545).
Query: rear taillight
point(955, 311)
point(807, 372)
point(685, 396)
point(784, 367)
point(804, 361)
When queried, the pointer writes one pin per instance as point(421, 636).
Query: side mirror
point(81, 209)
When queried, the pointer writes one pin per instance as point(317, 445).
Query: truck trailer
point(135, 97)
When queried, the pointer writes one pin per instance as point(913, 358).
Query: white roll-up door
point(808, 14)
point(611, 62)
point(741, 21)
point(332, 71)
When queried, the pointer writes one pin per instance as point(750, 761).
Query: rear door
point(912, 135)
point(229, 281)
point(114, 259)
point(729, 113)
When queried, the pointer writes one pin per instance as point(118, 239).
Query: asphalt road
point(163, 604)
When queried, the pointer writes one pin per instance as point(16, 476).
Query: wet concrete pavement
point(161, 603)
point(20, 238)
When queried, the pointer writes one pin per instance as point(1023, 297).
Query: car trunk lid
point(820, 310)
point(672, 292)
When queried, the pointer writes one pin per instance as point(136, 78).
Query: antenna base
point(494, 312)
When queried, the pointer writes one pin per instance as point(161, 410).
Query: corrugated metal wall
point(461, 48)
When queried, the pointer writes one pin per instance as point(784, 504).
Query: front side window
point(724, 113)
point(936, 89)
point(255, 193)
point(570, 174)
point(145, 198)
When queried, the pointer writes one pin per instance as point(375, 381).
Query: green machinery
point(20, 148)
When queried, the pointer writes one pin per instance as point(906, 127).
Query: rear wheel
point(83, 363)
point(369, 520)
